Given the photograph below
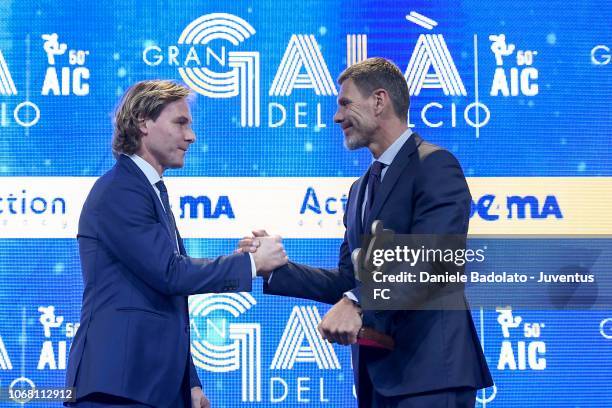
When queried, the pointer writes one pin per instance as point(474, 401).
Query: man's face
point(355, 115)
point(168, 138)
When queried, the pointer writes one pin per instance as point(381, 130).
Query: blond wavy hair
point(143, 100)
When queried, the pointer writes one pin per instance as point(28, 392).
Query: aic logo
point(221, 347)
point(72, 79)
point(526, 354)
point(69, 78)
point(516, 80)
point(54, 354)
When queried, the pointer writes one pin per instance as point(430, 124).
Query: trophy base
point(369, 337)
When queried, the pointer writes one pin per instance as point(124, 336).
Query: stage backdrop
point(519, 91)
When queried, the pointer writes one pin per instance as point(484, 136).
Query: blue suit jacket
point(133, 340)
point(423, 192)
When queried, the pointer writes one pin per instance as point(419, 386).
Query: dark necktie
point(163, 193)
point(374, 182)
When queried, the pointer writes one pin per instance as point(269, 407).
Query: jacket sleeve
point(442, 197)
point(194, 380)
point(319, 284)
point(127, 225)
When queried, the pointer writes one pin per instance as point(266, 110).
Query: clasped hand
point(343, 321)
point(267, 250)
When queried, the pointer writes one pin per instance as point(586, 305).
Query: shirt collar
point(146, 168)
point(389, 154)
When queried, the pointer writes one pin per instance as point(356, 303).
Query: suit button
point(186, 329)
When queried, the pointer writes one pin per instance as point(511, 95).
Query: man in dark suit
point(414, 187)
point(133, 346)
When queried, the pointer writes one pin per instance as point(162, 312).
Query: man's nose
point(338, 116)
point(191, 137)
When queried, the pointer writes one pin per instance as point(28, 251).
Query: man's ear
point(381, 100)
point(142, 126)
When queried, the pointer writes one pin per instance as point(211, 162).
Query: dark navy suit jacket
point(423, 192)
point(133, 341)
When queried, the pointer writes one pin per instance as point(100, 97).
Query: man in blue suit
point(414, 187)
point(133, 345)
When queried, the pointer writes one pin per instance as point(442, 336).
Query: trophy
point(362, 264)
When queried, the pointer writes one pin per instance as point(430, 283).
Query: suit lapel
point(392, 175)
point(354, 226)
point(181, 244)
point(132, 168)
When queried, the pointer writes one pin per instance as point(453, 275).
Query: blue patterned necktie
point(163, 193)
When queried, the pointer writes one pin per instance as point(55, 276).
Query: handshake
point(343, 323)
point(267, 250)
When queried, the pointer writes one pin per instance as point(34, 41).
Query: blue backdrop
point(514, 89)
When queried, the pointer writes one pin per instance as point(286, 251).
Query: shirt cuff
point(253, 268)
point(351, 296)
